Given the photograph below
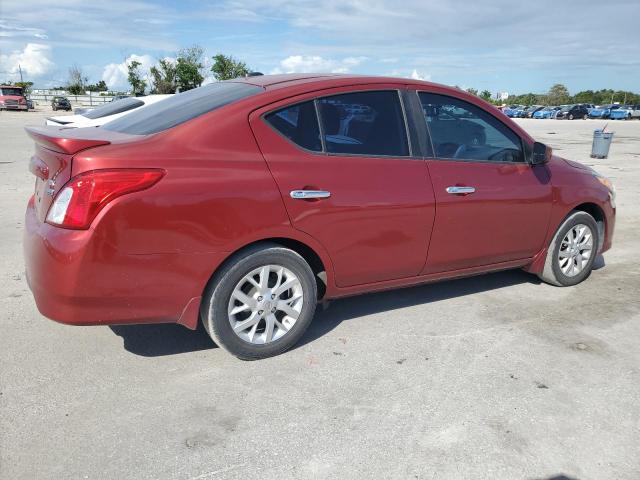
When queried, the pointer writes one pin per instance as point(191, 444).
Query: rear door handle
point(309, 194)
point(457, 190)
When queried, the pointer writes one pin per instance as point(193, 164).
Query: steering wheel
point(460, 150)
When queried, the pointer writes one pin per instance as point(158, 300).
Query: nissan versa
point(241, 204)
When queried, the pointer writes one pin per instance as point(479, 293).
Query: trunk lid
point(52, 160)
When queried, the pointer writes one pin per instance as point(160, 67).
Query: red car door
point(492, 206)
point(356, 188)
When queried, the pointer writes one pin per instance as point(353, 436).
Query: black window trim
point(525, 151)
point(315, 99)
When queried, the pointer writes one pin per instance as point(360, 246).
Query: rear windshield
point(181, 108)
point(12, 91)
point(112, 108)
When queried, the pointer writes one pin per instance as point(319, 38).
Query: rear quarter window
point(181, 107)
point(298, 123)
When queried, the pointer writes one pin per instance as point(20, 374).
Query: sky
point(498, 45)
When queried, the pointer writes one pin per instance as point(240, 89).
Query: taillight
point(82, 198)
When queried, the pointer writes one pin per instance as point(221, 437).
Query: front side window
point(461, 130)
point(364, 123)
point(299, 123)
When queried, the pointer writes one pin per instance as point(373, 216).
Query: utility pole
point(20, 68)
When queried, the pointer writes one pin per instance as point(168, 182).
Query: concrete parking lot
point(492, 377)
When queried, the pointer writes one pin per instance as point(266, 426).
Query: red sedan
point(240, 204)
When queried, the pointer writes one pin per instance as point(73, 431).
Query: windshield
point(112, 108)
point(13, 91)
point(182, 107)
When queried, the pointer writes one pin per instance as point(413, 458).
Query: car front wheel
point(572, 251)
point(261, 302)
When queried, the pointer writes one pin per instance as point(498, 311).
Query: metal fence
point(92, 100)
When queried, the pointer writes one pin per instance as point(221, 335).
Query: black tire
point(552, 272)
point(584, 117)
point(54, 109)
point(216, 299)
point(571, 116)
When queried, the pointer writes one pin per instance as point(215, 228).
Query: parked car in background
point(107, 112)
point(625, 112)
point(12, 98)
point(602, 111)
point(571, 112)
point(528, 113)
point(512, 110)
point(82, 110)
point(546, 112)
point(243, 203)
point(60, 103)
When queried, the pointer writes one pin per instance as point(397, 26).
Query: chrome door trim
point(309, 194)
point(457, 190)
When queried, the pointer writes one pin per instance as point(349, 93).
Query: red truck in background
point(12, 98)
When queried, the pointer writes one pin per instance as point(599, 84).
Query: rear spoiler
point(63, 140)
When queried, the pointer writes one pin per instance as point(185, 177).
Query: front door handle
point(457, 190)
point(309, 194)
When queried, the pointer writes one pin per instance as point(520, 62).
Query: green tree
point(77, 81)
point(472, 91)
point(26, 87)
point(163, 77)
point(101, 86)
point(558, 95)
point(189, 68)
point(225, 67)
point(485, 95)
point(135, 78)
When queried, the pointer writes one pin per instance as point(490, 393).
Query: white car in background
point(105, 113)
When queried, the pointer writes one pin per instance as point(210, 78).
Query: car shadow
point(171, 339)
point(162, 339)
point(358, 306)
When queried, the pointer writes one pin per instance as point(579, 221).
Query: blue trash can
point(601, 144)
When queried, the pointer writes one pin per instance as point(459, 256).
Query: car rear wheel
point(260, 304)
point(571, 116)
point(572, 251)
point(585, 116)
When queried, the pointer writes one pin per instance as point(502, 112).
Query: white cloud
point(115, 74)
point(419, 76)
point(34, 59)
point(318, 64)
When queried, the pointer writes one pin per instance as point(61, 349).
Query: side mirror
point(541, 154)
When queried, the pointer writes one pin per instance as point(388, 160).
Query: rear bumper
point(80, 279)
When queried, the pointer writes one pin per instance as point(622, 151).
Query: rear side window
point(299, 124)
point(112, 108)
point(181, 107)
point(364, 123)
point(461, 130)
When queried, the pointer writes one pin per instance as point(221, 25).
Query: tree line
point(185, 72)
point(558, 94)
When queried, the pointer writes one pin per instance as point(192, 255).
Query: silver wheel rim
point(575, 250)
point(265, 304)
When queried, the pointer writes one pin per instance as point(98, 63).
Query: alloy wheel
point(575, 250)
point(265, 304)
